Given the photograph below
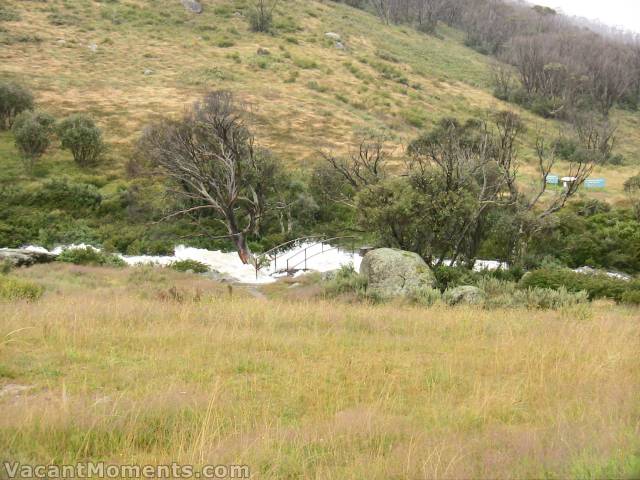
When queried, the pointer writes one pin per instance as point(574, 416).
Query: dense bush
point(426, 296)
point(90, 256)
point(631, 297)
point(32, 132)
point(14, 99)
point(192, 266)
point(346, 281)
point(632, 184)
point(66, 195)
point(596, 286)
point(592, 234)
point(261, 15)
point(451, 277)
point(5, 267)
point(80, 134)
point(63, 194)
point(12, 288)
point(506, 294)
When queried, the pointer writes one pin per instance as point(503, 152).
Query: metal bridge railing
point(293, 261)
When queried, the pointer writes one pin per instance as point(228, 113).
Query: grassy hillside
point(128, 61)
point(306, 94)
point(115, 369)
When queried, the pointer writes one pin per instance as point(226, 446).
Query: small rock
point(148, 71)
point(330, 275)
point(465, 295)
point(93, 47)
point(192, 6)
point(263, 51)
point(340, 46)
point(220, 277)
point(61, 41)
point(333, 36)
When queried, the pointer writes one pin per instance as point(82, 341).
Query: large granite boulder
point(394, 273)
point(465, 295)
point(24, 258)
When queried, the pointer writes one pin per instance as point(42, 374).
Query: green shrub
point(548, 299)
point(80, 134)
point(12, 288)
point(14, 99)
point(566, 148)
point(313, 85)
point(632, 184)
point(32, 132)
point(5, 267)
point(90, 256)
point(596, 286)
point(506, 294)
point(60, 193)
point(305, 63)
point(8, 15)
point(192, 266)
point(451, 277)
point(345, 281)
point(631, 297)
point(261, 16)
point(425, 296)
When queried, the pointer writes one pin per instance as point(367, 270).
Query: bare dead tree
point(261, 15)
point(595, 133)
point(503, 80)
point(362, 167)
point(382, 8)
point(213, 165)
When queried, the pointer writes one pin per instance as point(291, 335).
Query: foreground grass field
point(137, 365)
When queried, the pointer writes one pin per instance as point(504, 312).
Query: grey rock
point(93, 47)
point(263, 51)
point(220, 277)
point(340, 46)
point(395, 273)
point(465, 295)
point(147, 71)
point(24, 258)
point(329, 275)
point(333, 36)
point(592, 271)
point(192, 6)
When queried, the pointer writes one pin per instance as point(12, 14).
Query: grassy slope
point(190, 54)
point(306, 390)
point(305, 95)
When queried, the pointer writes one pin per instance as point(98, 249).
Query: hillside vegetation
point(126, 62)
point(306, 94)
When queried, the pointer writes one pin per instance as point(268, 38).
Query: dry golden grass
point(313, 389)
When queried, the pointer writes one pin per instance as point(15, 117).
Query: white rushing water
point(320, 258)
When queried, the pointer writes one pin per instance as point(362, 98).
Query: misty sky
point(623, 13)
